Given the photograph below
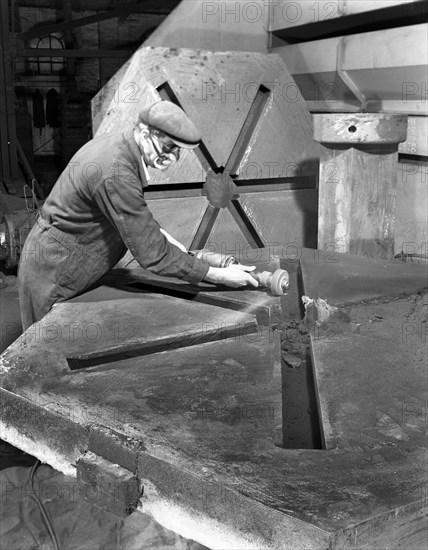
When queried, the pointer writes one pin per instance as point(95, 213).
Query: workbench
point(167, 396)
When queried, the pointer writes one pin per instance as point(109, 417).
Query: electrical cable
point(43, 510)
point(33, 193)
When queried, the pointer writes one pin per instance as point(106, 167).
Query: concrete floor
point(78, 524)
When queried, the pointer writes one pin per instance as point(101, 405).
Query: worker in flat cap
point(96, 211)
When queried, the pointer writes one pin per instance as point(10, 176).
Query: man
point(96, 210)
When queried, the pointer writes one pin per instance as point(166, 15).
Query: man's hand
point(236, 275)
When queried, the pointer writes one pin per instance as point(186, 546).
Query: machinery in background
point(14, 229)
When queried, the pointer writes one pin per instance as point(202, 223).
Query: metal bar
point(68, 41)
point(111, 14)
point(245, 225)
point(4, 153)
point(308, 20)
point(9, 94)
point(46, 52)
point(167, 93)
point(203, 232)
point(344, 76)
point(129, 350)
point(253, 117)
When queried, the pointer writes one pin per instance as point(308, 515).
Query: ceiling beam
point(66, 25)
point(46, 52)
point(97, 5)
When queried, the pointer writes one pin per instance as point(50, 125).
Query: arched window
point(47, 65)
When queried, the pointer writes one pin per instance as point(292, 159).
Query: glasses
point(163, 145)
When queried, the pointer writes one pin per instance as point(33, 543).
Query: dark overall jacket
point(95, 211)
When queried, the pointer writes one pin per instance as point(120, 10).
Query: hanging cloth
point(52, 108)
point(38, 110)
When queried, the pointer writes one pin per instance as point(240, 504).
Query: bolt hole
point(352, 129)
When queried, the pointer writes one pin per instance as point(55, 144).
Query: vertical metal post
point(9, 159)
point(70, 62)
point(358, 176)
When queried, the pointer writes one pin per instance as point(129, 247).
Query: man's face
point(158, 150)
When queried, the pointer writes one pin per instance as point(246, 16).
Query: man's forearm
point(235, 275)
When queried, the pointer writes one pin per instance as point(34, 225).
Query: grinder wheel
point(279, 282)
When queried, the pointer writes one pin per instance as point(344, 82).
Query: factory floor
point(77, 523)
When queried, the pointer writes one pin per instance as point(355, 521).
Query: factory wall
point(34, 77)
point(370, 56)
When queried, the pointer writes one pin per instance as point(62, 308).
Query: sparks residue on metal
point(5, 365)
point(252, 219)
point(255, 135)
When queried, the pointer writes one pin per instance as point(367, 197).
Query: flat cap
point(172, 121)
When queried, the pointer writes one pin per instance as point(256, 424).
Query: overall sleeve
point(120, 198)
